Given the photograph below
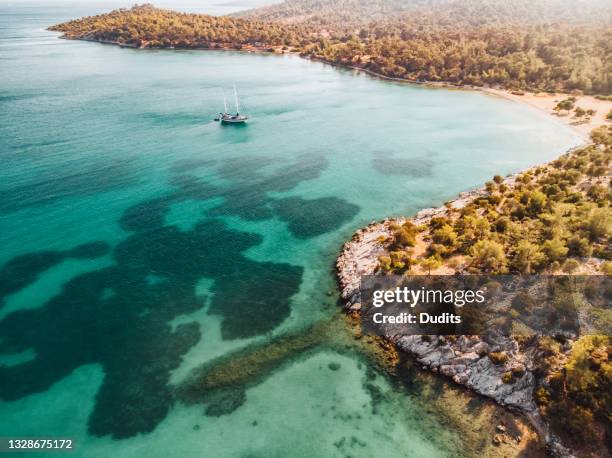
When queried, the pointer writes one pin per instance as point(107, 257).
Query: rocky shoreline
point(463, 359)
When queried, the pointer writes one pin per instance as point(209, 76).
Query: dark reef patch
point(118, 318)
point(128, 332)
point(190, 164)
point(248, 196)
point(171, 119)
point(150, 214)
point(247, 202)
point(220, 384)
point(243, 168)
point(224, 401)
point(23, 270)
point(85, 180)
point(310, 218)
point(305, 167)
point(89, 250)
point(190, 187)
point(255, 299)
point(386, 164)
point(146, 215)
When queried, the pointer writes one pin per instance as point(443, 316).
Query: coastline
point(462, 359)
point(459, 361)
point(519, 401)
point(546, 102)
point(543, 102)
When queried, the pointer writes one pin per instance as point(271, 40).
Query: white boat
point(228, 118)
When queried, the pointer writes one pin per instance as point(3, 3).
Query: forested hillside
point(449, 12)
point(145, 26)
point(552, 45)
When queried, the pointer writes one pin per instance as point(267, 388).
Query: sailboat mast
point(224, 102)
point(236, 99)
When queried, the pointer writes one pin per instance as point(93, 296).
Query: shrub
point(405, 235)
point(601, 135)
point(437, 250)
point(501, 224)
point(527, 257)
point(598, 223)
point(498, 357)
point(598, 192)
point(555, 250)
point(382, 239)
point(385, 263)
point(438, 221)
point(400, 261)
point(518, 371)
point(523, 301)
point(488, 256)
point(445, 235)
point(537, 202)
point(431, 263)
point(570, 265)
point(579, 246)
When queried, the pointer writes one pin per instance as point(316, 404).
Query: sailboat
point(228, 118)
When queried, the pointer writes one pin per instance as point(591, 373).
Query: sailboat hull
point(234, 120)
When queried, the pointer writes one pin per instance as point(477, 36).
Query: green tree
point(431, 263)
point(405, 235)
point(445, 235)
point(579, 246)
point(488, 256)
point(579, 112)
point(598, 224)
point(565, 105)
point(555, 250)
point(570, 265)
point(527, 257)
point(536, 202)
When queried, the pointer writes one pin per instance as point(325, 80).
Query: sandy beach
point(546, 102)
point(542, 101)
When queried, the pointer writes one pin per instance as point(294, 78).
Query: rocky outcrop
point(492, 365)
point(466, 361)
point(359, 256)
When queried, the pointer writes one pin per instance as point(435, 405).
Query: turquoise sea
point(140, 240)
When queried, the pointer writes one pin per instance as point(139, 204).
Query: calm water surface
point(139, 239)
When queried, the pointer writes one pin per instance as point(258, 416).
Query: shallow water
point(139, 239)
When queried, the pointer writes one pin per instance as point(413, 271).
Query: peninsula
point(552, 219)
point(518, 46)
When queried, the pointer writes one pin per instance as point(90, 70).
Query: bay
point(139, 239)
